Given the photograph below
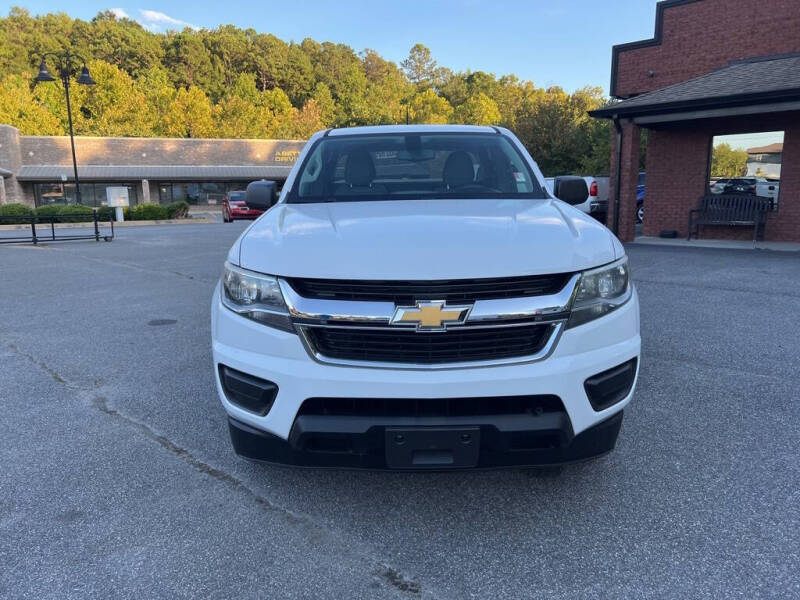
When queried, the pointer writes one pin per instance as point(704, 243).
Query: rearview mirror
point(570, 189)
point(261, 195)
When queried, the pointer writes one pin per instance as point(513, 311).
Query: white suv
point(416, 299)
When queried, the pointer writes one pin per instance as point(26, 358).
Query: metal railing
point(42, 228)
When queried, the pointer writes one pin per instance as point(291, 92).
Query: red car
point(234, 207)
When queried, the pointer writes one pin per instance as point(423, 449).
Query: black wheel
point(225, 218)
point(640, 213)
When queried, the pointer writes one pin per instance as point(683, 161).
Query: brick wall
point(677, 168)
point(701, 36)
point(38, 150)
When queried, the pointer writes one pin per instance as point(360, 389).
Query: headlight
point(601, 291)
point(255, 296)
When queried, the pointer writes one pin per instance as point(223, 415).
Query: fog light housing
point(609, 387)
point(245, 391)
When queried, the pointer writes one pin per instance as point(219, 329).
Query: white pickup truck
point(596, 203)
point(416, 299)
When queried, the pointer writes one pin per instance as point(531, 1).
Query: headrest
point(359, 169)
point(458, 170)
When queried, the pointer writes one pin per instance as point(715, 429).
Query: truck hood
point(425, 239)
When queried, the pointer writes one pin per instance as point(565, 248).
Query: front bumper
point(280, 357)
point(498, 446)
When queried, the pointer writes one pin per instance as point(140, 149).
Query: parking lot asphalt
point(118, 479)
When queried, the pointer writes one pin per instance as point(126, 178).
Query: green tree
point(388, 90)
point(112, 107)
point(727, 162)
point(190, 114)
point(429, 107)
point(120, 42)
point(20, 108)
point(479, 109)
point(420, 67)
point(326, 104)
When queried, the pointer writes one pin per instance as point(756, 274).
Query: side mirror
point(261, 195)
point(570, 189)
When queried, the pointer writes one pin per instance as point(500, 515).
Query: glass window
point(203, 193)
point(414, 166)
point(747, 163)
point(54, 193)
point(92, 194)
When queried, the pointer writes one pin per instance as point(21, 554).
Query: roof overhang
point(153, 173)
point(746, 87)
point(711, 108)
point(5, 173)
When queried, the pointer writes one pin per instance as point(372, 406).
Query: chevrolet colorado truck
point(417, 299)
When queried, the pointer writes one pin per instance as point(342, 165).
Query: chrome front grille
point(429, 348)
point(496, 331)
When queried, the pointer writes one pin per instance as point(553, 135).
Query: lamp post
point(65, 63)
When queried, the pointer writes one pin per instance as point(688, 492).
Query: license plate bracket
point(432, 447)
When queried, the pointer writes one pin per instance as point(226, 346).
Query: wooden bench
point(729, 209)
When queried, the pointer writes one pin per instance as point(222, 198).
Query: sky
point(743, 141)
point(550, 42)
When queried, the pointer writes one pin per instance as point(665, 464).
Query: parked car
point(234, 207)
point(718, 186)
point(640, 198)
point(743, 185)
point(417, 299)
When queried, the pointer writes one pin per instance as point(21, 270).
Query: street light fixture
point(66, 62)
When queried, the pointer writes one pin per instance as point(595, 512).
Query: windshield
point(236, 196)
point(405, 166)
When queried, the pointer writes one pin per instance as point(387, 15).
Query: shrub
point(13, 214)
point(75, 213)
point(106, 213)
point(178, 210)
point(49, 210)
point(65, 213)
point(148, 211)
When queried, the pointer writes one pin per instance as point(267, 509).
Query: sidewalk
point(726, 244)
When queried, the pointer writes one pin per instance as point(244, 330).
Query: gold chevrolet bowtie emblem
point(430, 315)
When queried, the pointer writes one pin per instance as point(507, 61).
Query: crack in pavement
point(42, 365)
point(384, 573)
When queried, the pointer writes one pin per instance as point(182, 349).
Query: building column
point(2, 190)
point(145, 191)
point(629, 175)
point(784, 224)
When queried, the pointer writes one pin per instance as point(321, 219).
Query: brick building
point(713, 69)
point(37, 170)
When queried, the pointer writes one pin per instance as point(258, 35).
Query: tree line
point(240, 83)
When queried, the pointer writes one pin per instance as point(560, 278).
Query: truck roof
point(373, 129)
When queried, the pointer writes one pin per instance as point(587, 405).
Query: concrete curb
point(723, 244)
point(105, 224)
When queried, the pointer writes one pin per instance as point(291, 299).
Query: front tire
point(226, 217)
point(640, 213)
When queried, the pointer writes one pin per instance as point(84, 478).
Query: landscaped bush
point(106, 213)
point(178, 210)
point(12, 214)
point(148, 211)
point(65, 213)
point(49, 210)
point(75, 213)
